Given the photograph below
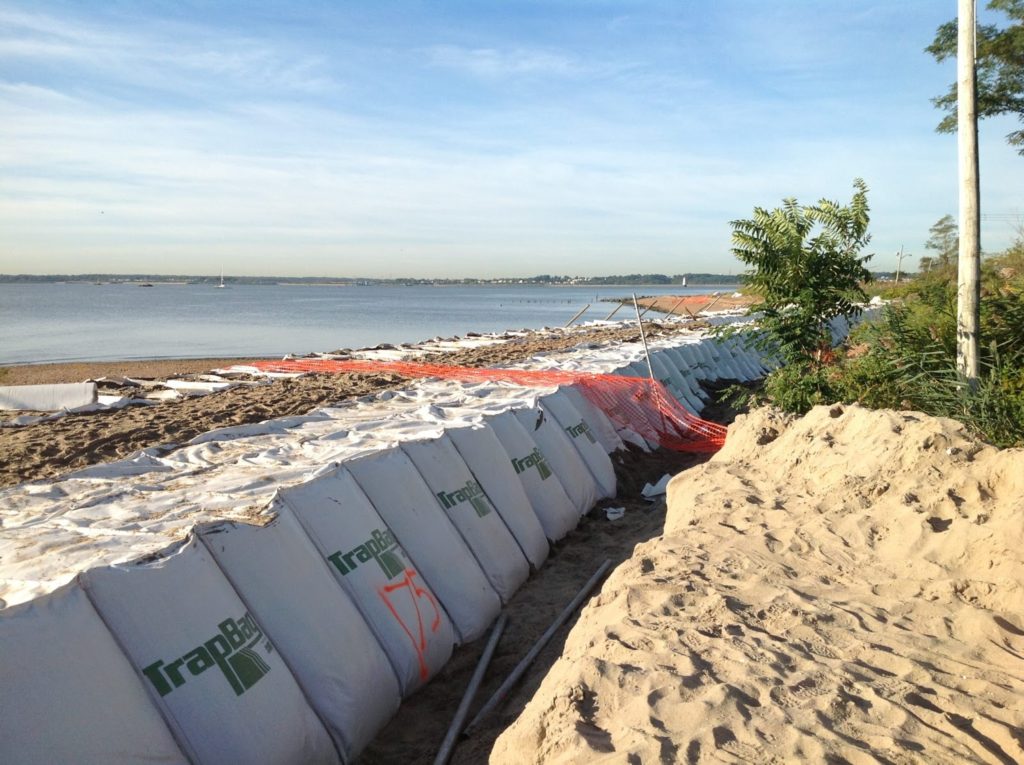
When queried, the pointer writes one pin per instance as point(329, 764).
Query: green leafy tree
point(805, 262)
point(944, 239)
point(1000, 68)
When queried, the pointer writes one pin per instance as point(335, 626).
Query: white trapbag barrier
point(686, 365)
point(489, 462)
point(219, 681)
point(47, 398)
point(554, 509)
point(726, 365)
point(67, 692)
point(366, 559)
point(565, 461)
point(285, 583)
point(741, 357)
point(581, 435)
point(669, 377)
point(711, 367)
point(698, 360)
point(405, 502)
point(471, 511)
point(603, 428)
point(684, 377)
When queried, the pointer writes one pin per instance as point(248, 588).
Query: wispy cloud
point(494, 62)
point(282, 143)
point(160, 53)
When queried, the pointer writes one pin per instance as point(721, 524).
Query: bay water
point(81, 321)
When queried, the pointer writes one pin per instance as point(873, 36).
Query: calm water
point(87, 322)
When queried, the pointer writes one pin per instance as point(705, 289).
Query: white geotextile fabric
point(368, 562)
point(67, 692)
point(603, 428)
point(554, 509)
point(565, 461)
point(118, 511)
point(216, 676)
point(581, 434)
point(471, 511)
point(490, 464)
point(287, 585)
point(47, 398)
point(394, 486)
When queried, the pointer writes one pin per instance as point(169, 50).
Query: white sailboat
point(221, 285)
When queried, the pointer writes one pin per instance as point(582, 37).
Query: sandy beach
point(47, 449)
point(839, 588)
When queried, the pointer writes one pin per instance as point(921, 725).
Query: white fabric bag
point(669, 377)
point(603, 428)
point(581, 435)
point(566, 462)
point(623, 432)
point(405, 502)
point(554, 509)
point(322, 636)
point(685, 364)
point(67, 692)
point(489, 462)
point(471, 511)
point(221, 684)
point(371, 566)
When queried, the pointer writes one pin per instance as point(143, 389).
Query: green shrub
point(907, 360)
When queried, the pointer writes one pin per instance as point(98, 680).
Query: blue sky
point(488, 138)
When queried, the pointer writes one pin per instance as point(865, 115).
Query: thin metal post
point(899, 263)
point(578, 314)
point(672, 310)
point(524, 664)
point(615, 311)
point(702, 310)
point(445, 752)
point(643, 337)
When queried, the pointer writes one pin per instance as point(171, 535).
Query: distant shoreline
point(50, 372)
point(620, 281)
point(488, 317)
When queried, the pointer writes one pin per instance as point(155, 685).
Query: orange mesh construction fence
point(635, 403)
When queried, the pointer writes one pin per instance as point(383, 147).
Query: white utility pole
point(968, 293)
point(899, 263)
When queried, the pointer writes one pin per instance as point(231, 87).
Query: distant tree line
point(618, 279)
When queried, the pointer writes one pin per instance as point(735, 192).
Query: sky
point(451, 139)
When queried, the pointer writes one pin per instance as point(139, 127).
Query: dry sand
point(50, 448)
point(693, 305)
point(843, 588)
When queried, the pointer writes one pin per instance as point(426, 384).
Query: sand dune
point(844, 587)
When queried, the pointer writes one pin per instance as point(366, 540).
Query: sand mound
point(844, 587)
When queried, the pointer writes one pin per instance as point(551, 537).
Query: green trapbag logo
point(381, 547)
point(472, 492)
point(533, 459)
point(233, 650)
point(583, 429)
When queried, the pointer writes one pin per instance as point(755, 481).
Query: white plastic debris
point(652, 492)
